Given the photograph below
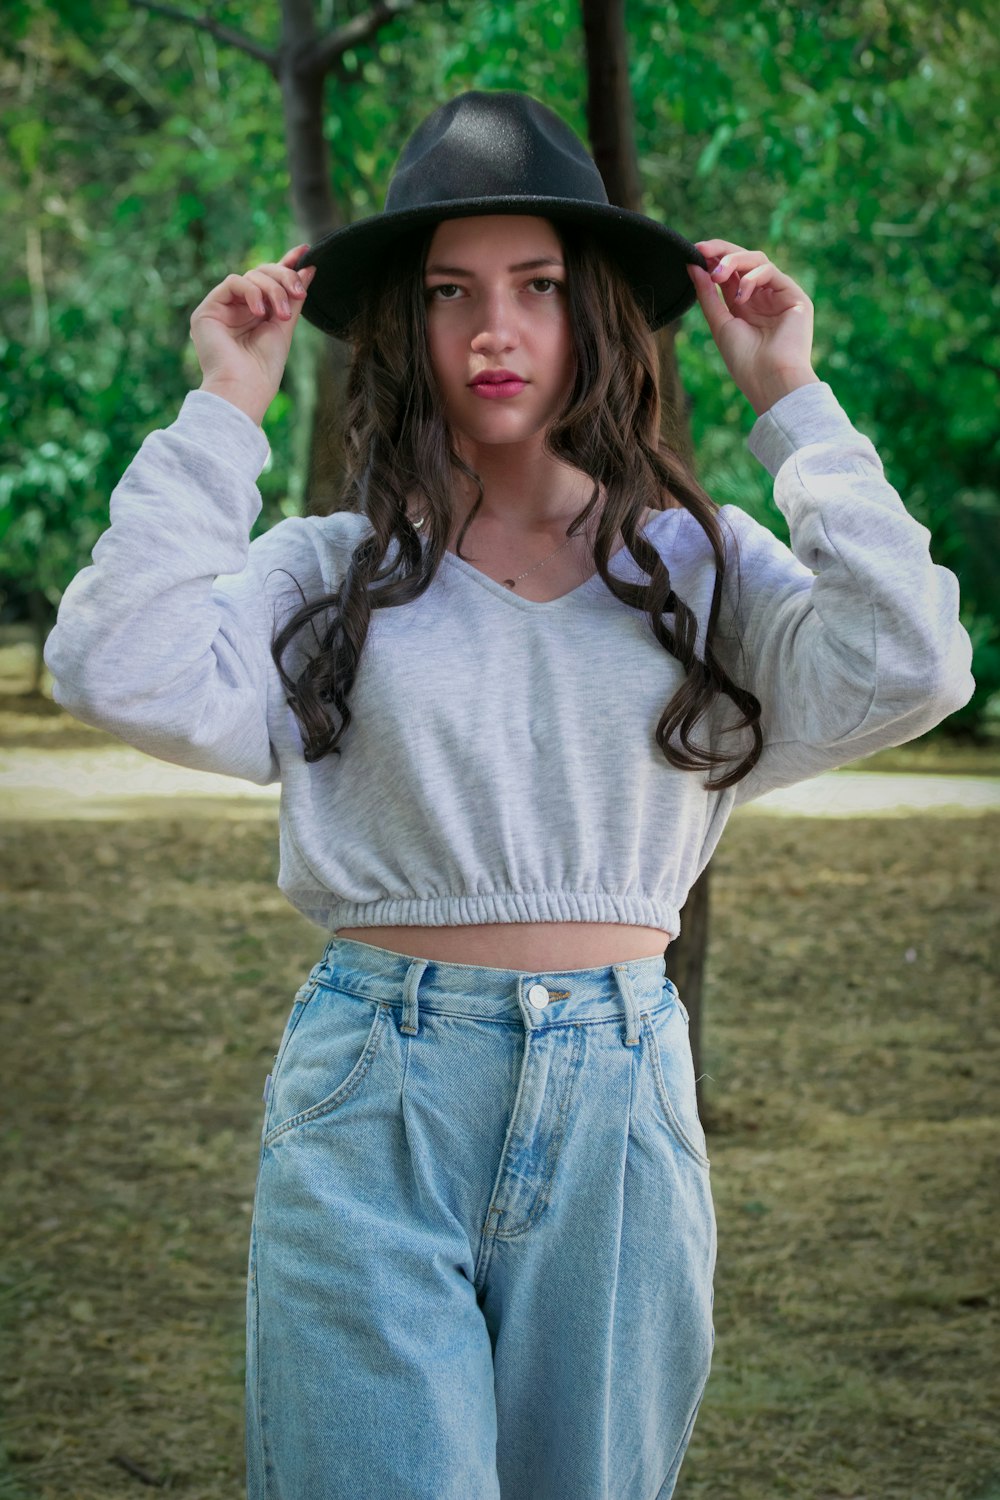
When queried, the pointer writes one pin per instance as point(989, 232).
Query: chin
point(500, 427)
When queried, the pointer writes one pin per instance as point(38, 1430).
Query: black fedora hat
point(496, 152)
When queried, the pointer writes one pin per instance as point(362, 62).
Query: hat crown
point(484, 153)
point(493, 144)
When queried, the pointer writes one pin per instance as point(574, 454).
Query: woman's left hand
point(763, 324)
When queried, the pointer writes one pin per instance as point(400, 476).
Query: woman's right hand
point(242, 331)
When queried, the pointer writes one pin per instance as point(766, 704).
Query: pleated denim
point(483, 1237)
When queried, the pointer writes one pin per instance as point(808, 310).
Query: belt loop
point(411, 1003)
point(627, 988)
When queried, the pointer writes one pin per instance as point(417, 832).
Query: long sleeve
point(145, 644)
point(851, 637)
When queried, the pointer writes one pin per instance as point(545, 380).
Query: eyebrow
point(523, 265)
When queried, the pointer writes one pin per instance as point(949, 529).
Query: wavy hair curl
point(398, 445)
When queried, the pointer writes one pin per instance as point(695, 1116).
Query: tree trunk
point(300, 65)
point(609, 124)
point(302, 79)
point(42, 617)
point(609, 101)
point(686, 966)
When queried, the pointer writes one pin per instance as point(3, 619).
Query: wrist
point(253, 405)
point(777, 384)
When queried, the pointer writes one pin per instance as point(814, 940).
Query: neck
point(524, 490)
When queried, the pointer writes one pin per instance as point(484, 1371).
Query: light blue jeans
point(483, 1236)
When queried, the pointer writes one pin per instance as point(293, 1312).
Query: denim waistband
point(542, 998)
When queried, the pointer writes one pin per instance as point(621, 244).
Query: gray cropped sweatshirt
point(501, 764)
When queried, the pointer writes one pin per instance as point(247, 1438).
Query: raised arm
point(146, 644)
point(852, 639)
point(851, 636)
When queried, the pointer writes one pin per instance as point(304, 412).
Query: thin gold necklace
point(510, 583)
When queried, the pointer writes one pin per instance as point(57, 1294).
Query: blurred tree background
point(147, 157)
point(148, 151)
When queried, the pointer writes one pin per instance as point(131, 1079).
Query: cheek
point(564, 346)
point(434, 352)
point(442, 351)
point(568, 362)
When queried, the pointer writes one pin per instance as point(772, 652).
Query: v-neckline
point(589, 584)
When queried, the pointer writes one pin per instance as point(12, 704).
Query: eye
point(546, 281)
point(443, 286)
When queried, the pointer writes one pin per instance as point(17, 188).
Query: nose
point(497, 324)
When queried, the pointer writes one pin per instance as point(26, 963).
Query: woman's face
point(495, 289)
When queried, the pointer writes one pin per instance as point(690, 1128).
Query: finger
point(281, 286)
point(752, 280)
point(266, 290)
point(725, 255)
point(717, 314)
point(298, 280)
point(770, 277)
point(241, 288)
point(714, 250)
point(736, 264)
point(293, 283)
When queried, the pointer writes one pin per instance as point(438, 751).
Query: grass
point(852, 1036)
point(937, 755)
point(851, 1043)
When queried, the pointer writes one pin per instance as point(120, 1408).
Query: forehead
point(490, 238)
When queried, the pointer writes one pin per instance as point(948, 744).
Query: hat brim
point(352, 260)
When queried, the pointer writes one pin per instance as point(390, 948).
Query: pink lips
point(497, 383)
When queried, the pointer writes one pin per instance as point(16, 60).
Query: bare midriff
point(534, 947)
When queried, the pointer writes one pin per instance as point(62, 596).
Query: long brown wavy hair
point(398, 445)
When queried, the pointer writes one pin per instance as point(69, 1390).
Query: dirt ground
point(851, 1039)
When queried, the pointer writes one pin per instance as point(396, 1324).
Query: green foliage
point(146, 159)
point(118, 218)
point(850, 147)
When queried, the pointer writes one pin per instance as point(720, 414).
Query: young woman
point(513, 692)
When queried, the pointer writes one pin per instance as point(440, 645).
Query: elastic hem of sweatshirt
point(226, 431)
point(809, 414)
point(628, 909)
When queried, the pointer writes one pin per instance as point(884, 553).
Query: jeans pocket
point(327, 1051)
point(665, 1033)
point(302, 997)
